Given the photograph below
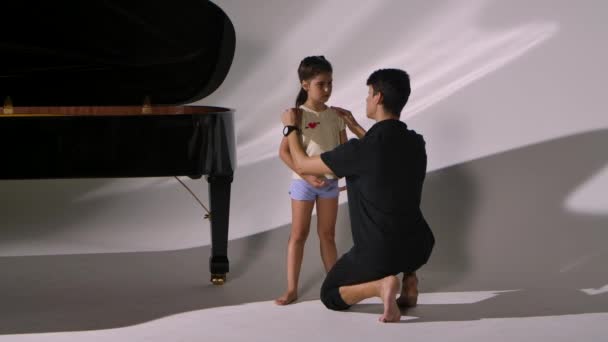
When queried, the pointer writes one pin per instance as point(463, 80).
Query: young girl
point(321, 129)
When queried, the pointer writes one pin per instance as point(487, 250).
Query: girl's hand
point(314, 181)
point(347, 116)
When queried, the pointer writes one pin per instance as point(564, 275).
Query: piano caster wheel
point(218, 279)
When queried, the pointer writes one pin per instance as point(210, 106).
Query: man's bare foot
point(388, 291)
point(287, 298)
point(409, 291)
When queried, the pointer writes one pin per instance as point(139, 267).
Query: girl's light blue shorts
point(301, 190)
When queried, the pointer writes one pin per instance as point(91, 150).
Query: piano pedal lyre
point(7, 107)
point(218, 279)
point(146, 108)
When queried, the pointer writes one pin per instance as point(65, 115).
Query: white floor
point(309, 321)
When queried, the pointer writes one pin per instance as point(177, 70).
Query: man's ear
point(380, 98)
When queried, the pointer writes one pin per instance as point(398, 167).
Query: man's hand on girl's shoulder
point(346, 115)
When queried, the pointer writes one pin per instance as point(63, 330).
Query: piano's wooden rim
point(112, 111)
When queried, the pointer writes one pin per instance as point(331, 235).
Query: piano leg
point(219, 197)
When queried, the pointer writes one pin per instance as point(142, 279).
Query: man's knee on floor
point(332, 300)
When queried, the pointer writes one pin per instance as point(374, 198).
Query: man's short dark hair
point(394, 85)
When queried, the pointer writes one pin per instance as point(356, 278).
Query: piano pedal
point(218, 279)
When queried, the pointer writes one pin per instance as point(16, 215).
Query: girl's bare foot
point(288, 298)
point(409, 291)
point(388, 291)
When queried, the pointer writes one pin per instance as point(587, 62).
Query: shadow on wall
point(449, 203)
point(499, 222)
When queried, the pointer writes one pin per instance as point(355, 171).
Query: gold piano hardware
point(146, 108)
point(7, 108)
point(218, 279)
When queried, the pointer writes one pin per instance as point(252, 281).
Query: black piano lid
point(112, 52)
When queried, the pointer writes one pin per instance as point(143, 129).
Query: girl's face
point(318, 87)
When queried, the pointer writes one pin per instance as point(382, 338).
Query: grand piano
point(100, 88)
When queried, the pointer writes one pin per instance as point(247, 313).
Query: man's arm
point(303, 164)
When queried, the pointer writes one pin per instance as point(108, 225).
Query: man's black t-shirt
point(384, 173)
